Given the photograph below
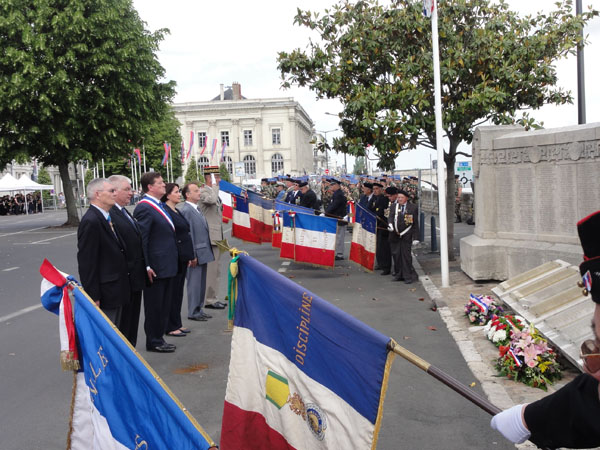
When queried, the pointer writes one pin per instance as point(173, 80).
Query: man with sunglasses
point(571, 416)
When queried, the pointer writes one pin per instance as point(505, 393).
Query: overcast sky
point(234, 40)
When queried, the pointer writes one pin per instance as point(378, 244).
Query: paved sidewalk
point(479, 353)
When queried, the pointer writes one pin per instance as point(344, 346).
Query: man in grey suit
point(196, 274)
point(211, 207)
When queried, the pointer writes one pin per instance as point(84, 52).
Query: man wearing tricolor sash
point(160, 253)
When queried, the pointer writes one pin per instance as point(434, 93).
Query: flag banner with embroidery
point(119, 402)
point(242, 221)
point(308, 377)
point(315, 240)
point(351, 209)
point(227, 205)
point(362, 248)
point(287, 243)
point(255, 209)
point(284, 206)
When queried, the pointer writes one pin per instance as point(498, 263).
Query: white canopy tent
point(8, 183)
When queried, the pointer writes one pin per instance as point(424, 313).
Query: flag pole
point(442, 376)
point(440, 149)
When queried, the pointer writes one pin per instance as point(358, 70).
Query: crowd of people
point(20, 204)
point(169, 242)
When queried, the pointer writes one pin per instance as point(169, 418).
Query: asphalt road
point(419, 413)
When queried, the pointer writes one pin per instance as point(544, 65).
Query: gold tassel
point(67, 362)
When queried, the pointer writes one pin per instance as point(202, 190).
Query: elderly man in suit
point(404, 231)
point(337, 210)
point(160, 253)
point(196, 274)
point(211, 207)
point(129, 233)
point(101, 253)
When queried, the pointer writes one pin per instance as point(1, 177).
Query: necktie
point(126, 213)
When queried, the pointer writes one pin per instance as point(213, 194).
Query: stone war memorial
point(531, 189)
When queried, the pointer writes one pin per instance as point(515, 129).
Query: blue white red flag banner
point(139, 156)
point(477, 300)
point(284, 206)
point(214, 148)
point(223, 150)
point(364, 238)
point(119, 402)
point(267, 218)
point(255, 209)
point(309, 376)
point(587, 281)
point(183, 152)
point(167, 150)
point(227, 204)
point(287, 245)
point(277, 229)
point(242, 222)
point(428, 7)
point(191, 144)
point(232, 188)
point(315, 240)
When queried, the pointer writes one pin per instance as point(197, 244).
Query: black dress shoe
point(339, 258)
point(385, 272)
point(398, 279)
point(216, 305)
point(408, 282)
point(206, 316)
point(165, 348)
point(198, 319)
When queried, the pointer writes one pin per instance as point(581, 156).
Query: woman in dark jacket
point(185, 250)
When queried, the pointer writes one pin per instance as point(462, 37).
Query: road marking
point(23, 231)
point(286, 263)
point(282, 270)
point(20, 312)
point(9, 269)
point(52, 238)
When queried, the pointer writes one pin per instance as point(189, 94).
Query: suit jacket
point(103, 270)
point(183, 239)
point(199, 233)
point(131, 237)
point(212, 209)
point(403, 221)
point(381, 204)
point(309, 200)
point(337, 205)
point(367, 203)
point(158, 240)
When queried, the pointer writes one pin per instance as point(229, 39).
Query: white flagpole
point(440, 149)
point(144, 152)
point(103, 174)
point(171, 162)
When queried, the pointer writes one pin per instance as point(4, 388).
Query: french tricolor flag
point(480, 303)
point(255, 209)
point(286, 249)
point(242, 222)
point(277, 229)
point(363, 246)
point(309, 376)
point(120, 402)
point(315, 240)
point(227, 204)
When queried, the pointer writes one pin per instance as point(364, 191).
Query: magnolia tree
point(377, 61)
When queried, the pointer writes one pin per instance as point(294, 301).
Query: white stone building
point(264, 137)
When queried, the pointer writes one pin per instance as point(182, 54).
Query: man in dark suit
point(404, 231)
point(294, 195)
point(160, 253)
point(101, 254)
point(337, 209)
point(309, 198)
point(196, 275)
point(382, 251)
point(129, 233)
point(367, 200)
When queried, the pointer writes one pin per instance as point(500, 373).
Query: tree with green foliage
point(77, 80)
point(360, 165)
point(44, 178)
point(193, 172)
point(225, 175)
point(377, 60)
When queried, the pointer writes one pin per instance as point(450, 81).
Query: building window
point(201, 139)
point(203, 162)
point(225, 138)
point(229, 164)
point(247, 137)
point(276, 164)
point(249, 165)
point(276, 136)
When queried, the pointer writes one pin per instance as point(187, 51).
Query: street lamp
point(326, 145)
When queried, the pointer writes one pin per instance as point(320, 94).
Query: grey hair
point(117, 180)
point(94, 186)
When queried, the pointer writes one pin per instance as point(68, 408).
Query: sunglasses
point(590, 353)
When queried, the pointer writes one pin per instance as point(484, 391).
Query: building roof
point(227, 95)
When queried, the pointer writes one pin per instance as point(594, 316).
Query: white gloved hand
point(415, 242)
point(322, 214)
point(212, 179)
point(390, 227)
point(510, 423)
point(345, 218)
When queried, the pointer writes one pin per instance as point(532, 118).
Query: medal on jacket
point(408, 219)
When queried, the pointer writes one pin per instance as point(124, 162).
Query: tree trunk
point(449, 159)
point(71, 201)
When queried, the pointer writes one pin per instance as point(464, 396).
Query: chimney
point(222, 92)
point(237, 90)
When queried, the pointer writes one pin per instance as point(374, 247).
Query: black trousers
point(130, 317)
point(157, 306)
point(405, 267)
point(174, 322)
point(382, 251)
